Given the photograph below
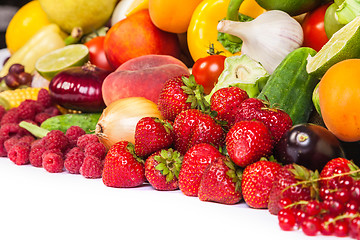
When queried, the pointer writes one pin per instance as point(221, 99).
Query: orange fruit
point(24, 24)
point(339, 97)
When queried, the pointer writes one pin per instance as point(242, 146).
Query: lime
point(60, 59)
point(344, 44)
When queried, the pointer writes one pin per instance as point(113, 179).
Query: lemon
point(136, 6)
point(127, 7)
point(60, 59)
point(24, 24)
point(344, 44)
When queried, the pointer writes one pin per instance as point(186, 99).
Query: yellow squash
point(202, 30)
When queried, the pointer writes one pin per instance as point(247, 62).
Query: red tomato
point(313, 27)
point(207, 70)
point(97, 53)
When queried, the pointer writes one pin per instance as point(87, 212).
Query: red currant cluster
point(335, 212)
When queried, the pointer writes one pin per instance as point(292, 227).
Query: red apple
point(142, 76)
point(136, 36)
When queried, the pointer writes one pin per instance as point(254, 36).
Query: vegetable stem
point(34, 129)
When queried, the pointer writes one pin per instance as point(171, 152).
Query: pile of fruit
point(133, 93)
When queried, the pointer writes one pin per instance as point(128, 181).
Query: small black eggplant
point(309, 145)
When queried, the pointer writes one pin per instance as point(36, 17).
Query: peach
point(136, 36)
point(142, 76)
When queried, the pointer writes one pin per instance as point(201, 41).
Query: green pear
point(87, 14)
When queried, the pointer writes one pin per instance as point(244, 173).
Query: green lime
point(60, 59)
point(344, 44)
point(293, 8)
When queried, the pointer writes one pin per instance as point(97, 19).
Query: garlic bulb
point(268, 39)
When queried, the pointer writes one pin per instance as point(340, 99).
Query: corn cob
point(12, 98)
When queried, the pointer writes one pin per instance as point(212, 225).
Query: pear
point(87, 14)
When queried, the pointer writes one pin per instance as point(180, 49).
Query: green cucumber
point(86, 121)
point(290, 87)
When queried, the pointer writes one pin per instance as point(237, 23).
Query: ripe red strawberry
point(162, 169)
point(248, 141)
point(257, 181)
point(226, 101)
point(194, 164)
point(122, 168)
point(220, 182)
point(152, 134)
point(294, 182)
point(275, 119)
point(192, 126)
point(336, 166)
point(178, 94)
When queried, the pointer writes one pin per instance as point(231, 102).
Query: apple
point(142, 76)
point(136, 36)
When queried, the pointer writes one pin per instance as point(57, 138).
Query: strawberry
point(226, 101)
point(275, 119)
point(248, 141)
point(122, 168)
point(162, 169)
point(195, 161)
point(221, 182)
point(178, 94)
point(257, 180)
point(293, 182)
point(192, 126)
point(336, 166)
point(152, 134)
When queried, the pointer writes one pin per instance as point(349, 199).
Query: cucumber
point(86, 121)
point(290, 87)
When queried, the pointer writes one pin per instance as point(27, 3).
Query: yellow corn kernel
point(12, 98)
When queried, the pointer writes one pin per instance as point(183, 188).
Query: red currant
point(313, 208)
point(342, 195)
point(300, 216)
point(327, 226)
point(284, 202)
point(341, 228)
point(286, 219)
point(311, 226)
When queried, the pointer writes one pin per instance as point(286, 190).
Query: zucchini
point(86, 121)
point(290, 87)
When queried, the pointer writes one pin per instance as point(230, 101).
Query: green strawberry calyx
point(169, 163)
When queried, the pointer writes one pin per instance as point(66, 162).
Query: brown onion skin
point(79, 88)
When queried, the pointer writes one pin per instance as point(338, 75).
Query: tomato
point(97, 53)
point(207, 70)
point(314, 30)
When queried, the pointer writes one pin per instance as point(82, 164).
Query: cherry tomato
point(207, 70)
point(314, 30)
point(97, 53)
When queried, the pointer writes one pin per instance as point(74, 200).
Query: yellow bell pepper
point(202, 30)
point(47, 39)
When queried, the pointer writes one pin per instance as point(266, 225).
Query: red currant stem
point(340, 217)
point(319, 179)
point(303, 202)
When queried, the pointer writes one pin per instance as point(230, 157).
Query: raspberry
point(35, 156)
point(9, 143)
point(41, 117)
point(96, 149)
point(53, 162)
point(37, 142)
point(74, 159)
point(2, 111)
point(3, 152)
point(27, 110)
point(56, 139)
point(20, 153)
point(54, 150)
point(27, 138)
point(53, 111)
point(73, 133)
point(91, 167)
point(44, 98)
point(86, 139)
point(9, 129)
point(11, 116)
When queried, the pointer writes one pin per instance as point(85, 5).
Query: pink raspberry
point(2, 111)
point(9, 130)
point(27, 138)
point(35, 156)
point(96, 149)
point(52, 111)
point(86, 139)
point(11, 116)
point(74, 159)
point(73, 133)
point(3, 152)
point(20, 153)
point(27, 110)
point(44, 98)
point(41, 117)
point(56, 139)
point(37, 142)
point(92, 167)
point(53, 162)
point(10, 142)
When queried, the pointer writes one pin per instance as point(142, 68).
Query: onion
point(118, 120)
point(79, 88)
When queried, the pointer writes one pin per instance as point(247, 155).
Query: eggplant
point(309, 145)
